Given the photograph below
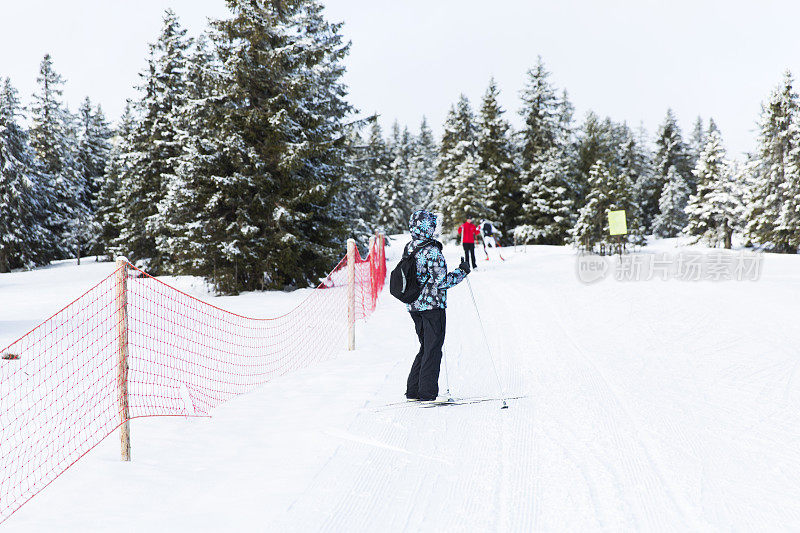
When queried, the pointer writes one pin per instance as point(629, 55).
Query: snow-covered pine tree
point(635, 167)
point(356, 198)
point(786, 234)
point(446, 162)
point(777, 137)
point(111, 198)
point(266, 167)
point(567, 145)
point(470, 187)
point(23, 238)
point(670, 152)
point(52, 136)
point(394, 206)
point(591, 228)
point(201, 76)
point(83, 230)
point(460, 187)
point(697, 141)
point(740, 189)
point(155, 145)
point(93, 152)
point(596, 142)
point(180, 239)
point(711, 211)
point(608, 191)
point(377, 162)
point(541, 112)
point(671, 218)
point(496, 155)
point(547, 205)
point(730, 204)
point(422, 167)
point(542, 132)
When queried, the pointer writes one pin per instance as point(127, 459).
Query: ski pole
point(488, 349)
point(446, 377)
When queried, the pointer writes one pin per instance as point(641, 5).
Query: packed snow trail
point(658, 405)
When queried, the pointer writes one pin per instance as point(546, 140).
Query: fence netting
point(59, 393)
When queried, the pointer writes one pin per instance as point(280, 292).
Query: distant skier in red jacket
point(468, 231)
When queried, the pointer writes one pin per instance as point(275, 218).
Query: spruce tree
point(712, 209)
point(541, 112)
point(23, 238)
point(92, 154)
point(671, 218)
point(596, 142)
point(495, 152)
point(460, 186)
point(422, 167)
point(547, 206)
point(591, 228)
point(608, 191)
point(356, 199)
point(259, 177)
point(786, 234)
point(377, 162)
point(53, 140)
point(568, 148)
point(635, 166)
point(111, 198)
point(179, 238)
point(697, 141)
point(670, 152)
point(394, 206)
point(543, 115)
point(777, 137)
point(155, 145)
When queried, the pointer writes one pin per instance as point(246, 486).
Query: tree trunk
point(728, 233)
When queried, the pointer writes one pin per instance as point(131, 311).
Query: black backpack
point(403, 283)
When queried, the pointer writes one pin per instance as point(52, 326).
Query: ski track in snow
point(570, 456)
point(647, 406)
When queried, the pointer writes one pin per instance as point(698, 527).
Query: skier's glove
point(464, 265)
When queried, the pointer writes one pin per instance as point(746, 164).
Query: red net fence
point(63, 386)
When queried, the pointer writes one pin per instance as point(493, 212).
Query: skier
point(488, 232)
point(468, 230)
point(428, 310)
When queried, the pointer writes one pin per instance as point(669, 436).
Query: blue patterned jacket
point(431, 267)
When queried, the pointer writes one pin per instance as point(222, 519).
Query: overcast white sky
point(628, 59)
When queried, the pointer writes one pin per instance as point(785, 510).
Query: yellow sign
point(616, 223)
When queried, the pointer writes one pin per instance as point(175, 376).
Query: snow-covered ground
point(646, 405)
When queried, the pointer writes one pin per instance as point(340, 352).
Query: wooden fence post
point(122, 360)
point(372, 250)
point(351, 294)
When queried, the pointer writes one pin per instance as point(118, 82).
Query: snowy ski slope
point(651, 405)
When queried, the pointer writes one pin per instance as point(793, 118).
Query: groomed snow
point(651, 405)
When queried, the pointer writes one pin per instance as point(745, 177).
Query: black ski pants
point(469, 252)
point(423, 380)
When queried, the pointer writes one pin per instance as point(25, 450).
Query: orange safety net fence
point(59, 392)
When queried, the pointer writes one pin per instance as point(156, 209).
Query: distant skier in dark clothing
point(428, 311)
point(488, 231)
point(489, 236)
point(468, 231)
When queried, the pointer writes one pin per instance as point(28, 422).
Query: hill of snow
point(644, 405)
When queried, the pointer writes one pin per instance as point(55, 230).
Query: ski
point(409, 403)
point(465, 401)
point(446, 402)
